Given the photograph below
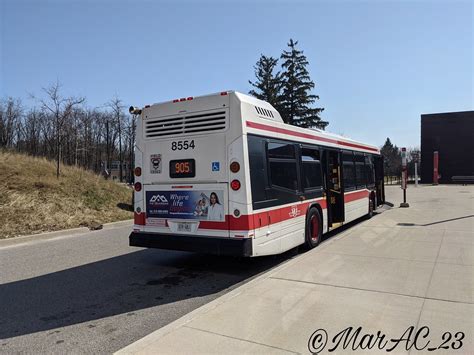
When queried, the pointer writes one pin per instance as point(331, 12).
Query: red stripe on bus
point(215, 224)
point(243, 223)
point(355, 196)
point(260, 219)
point(306, 135)
point(263, 219)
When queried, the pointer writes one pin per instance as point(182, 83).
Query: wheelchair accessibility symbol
point(215, 166)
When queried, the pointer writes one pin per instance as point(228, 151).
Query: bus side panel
point(356, 204)
point(240, 207)
point(293, 234)
point(325, 219)
point(279, 217)
point(285, 228)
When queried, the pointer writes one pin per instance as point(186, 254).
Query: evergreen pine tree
point(296, 91)
point(392, 158)
point(268, 84)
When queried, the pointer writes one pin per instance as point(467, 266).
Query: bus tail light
point(235, 185)
point(235, 167)
point(138, 186)
point(138, 171)
point(139, 218)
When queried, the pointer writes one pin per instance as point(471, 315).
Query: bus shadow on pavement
point(121, 285)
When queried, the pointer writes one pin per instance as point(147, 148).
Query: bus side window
point(283, 168)
point(360, 173)
point(369, 167)
point(258, 176)
point(311, 161)
point(348, 171)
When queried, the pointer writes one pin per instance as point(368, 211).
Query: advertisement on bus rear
point(207, 205)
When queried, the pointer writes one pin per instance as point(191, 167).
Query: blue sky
point(377, 65)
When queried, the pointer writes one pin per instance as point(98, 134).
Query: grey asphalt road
point(92, 293)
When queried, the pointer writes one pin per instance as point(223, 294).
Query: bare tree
point(60, 128)
point(117, 111)
point(110, 137)
point(131, 125)
point(61, 109)
point(10, 113)
point(32, 131)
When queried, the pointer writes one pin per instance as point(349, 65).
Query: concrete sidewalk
point(404, 267)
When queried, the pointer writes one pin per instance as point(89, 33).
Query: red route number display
point(182, 168)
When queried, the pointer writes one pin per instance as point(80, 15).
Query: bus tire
point(314, 228)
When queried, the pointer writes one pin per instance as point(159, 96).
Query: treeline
point(392, 158)
point(64, 129)
point(288, 88)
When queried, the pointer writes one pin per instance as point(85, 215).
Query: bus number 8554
point(182, 145)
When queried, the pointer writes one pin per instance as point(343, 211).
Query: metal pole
point(404, 178)
point(416, 174)
point(435, 168)
point(404, 188)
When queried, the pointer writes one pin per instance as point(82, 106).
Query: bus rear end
point(184, 187)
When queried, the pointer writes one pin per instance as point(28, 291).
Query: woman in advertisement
point(215, 211)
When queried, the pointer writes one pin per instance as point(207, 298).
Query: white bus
point(222, 174)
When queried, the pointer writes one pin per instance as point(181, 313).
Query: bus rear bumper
point(193, 243)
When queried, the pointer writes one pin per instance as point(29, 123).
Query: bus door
point(379, 183)
point(334, 193)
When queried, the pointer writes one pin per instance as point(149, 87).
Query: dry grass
point(33, 200)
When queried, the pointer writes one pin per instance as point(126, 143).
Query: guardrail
point(397, 180)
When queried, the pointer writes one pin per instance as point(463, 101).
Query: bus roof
point(313, 135)
point(277, 124)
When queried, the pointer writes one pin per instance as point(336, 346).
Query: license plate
point(184, 227)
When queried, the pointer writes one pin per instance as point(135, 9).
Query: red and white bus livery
point(223, 174)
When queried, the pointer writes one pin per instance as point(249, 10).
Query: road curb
point(60, 233)
point(127, 222)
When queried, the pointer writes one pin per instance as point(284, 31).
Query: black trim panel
point(193, 243)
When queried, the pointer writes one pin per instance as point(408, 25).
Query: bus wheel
point(314, 228)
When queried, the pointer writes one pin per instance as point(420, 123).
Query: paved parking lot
point(407, 267)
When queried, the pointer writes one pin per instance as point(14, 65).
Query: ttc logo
point(295, 212)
